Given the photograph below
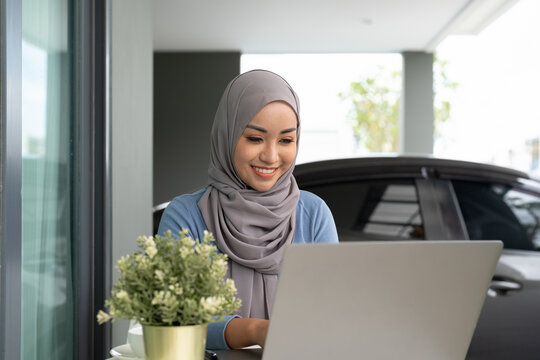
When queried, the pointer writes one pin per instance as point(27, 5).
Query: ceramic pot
point(174, 342)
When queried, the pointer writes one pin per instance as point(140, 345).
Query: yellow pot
point(174, 342)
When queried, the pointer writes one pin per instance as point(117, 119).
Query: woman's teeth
point(264, 171)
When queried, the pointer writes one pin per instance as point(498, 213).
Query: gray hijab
point(253, 228)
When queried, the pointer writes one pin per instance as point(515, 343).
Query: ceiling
point(317, 26)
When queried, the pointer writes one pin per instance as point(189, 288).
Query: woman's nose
point(269, 154)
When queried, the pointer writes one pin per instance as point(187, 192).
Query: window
point(498, 212)
point(373, 210)
point(526, 208)
point(49, 148)
point(52, 132)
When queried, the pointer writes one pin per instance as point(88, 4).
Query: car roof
point(400, 166)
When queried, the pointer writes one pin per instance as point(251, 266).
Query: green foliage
point(443, 87)
point(172, 282)
point(375, 104)
point(374, 113)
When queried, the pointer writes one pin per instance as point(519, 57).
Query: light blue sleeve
point(215, 339)
point(314, 221)
point(183, 212)
point(324, 227)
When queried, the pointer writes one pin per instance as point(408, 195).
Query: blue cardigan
point(314, 224)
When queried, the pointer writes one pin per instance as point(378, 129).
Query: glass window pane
point(371, 210)
point(498, 212)
point(47, 323)
point(526, 208)
point(393, 212)
point(400, 193)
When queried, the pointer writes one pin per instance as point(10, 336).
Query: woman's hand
point(241, 332)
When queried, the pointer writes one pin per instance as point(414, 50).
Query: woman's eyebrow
point(257, 128)
point(288, 130)
point(263, 130)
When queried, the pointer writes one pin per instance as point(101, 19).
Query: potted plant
point(174, 288)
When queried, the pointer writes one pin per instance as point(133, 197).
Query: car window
point(371, 210)
point(526, 208)
point(495, 211)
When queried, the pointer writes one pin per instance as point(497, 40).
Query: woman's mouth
point(264, 172)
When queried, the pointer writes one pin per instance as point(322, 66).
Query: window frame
point(11, 156)
point(437, 197)
point(93, 176)
point(93, 191)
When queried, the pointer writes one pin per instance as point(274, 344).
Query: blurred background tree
point(443, 89)
point(374, 112)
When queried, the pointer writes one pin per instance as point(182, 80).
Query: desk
point(244, 354)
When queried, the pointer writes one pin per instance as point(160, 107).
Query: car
point(425, 198)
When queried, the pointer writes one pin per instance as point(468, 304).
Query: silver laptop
point(380, 300)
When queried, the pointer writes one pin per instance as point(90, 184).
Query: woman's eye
point(287, 141)
point(254, 139)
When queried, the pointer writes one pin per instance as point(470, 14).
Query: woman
point(252, 204)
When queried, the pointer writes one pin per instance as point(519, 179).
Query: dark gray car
point(403, 198)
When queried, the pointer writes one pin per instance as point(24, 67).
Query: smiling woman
point(267, 147)
point(252, 204)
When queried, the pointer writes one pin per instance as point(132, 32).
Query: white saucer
point(124, 352)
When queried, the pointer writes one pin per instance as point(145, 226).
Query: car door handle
point(502, 287)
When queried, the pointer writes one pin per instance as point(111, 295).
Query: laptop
point(380, 300)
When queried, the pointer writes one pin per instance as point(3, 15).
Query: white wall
point(131, 118)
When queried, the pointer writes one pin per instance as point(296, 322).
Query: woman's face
point(267, 147)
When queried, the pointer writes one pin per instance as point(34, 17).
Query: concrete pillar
point(416, 113)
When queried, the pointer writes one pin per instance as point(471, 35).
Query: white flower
point(208, 236)
point(149, 241)
point(149, 245)
point(159, 297)
point(188, 242)
point(159, 275)
point(229, 283)
point(103, 317)
point(122, 262)
point(143, 263)
point(122, 294)
point(183, 232)
point(203, 248)
point(151, 251)
point(211, 303)
point(220, 263)
point(185, 252)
